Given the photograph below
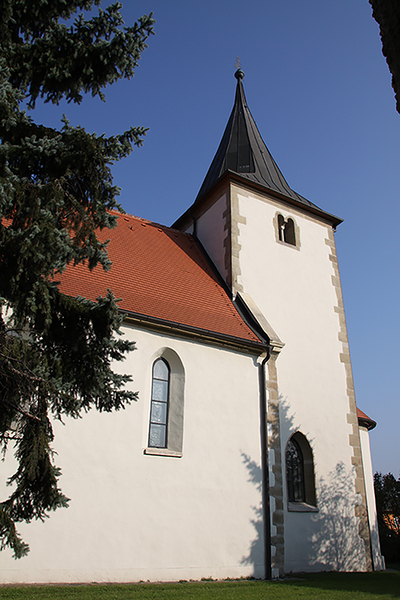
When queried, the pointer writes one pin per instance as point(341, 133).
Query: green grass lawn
point(335, 586)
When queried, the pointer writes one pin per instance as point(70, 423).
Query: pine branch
point(56, 194)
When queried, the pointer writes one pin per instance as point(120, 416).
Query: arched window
point(287, 230)
point(158, 430)
point(300, 476)
point(281, 228)
point(165, 437)
point(290, 237)
point(295, 472)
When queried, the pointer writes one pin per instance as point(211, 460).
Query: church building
point(245, 454)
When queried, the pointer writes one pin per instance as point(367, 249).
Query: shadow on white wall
point(336, 544)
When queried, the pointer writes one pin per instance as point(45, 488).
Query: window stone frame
point(176, 405)
point(279, 215)
point(310, 501)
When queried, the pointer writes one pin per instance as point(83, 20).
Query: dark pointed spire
point(242, 151)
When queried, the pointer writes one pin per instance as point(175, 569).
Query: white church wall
point(137, 517)
point(211, 232)
point(379, 561)
point(293, 287)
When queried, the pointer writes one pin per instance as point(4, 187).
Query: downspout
point(256, 320)
point(265, 467)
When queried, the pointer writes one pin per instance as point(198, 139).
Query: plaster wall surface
point(136, 517)
point(211, 232)
point(378, 559)
point(294, 288)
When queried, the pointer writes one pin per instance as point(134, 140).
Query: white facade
point(296, 291)
point(238, 414)
point(199, 513)
point(137, 517)
point(378, 560)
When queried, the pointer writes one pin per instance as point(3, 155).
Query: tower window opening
point(286, 230)
point(290, 237)
point(281, 228)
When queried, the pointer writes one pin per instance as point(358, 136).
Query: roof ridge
point(149, 222)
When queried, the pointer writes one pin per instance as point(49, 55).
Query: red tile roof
point(365, 419)
point(159, 273)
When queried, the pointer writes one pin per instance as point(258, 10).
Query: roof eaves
point(237, 303)
point(263, 171)
point(365, 421)
point(249, 318)
point(204, 335)
point(232, 175)
point(301, 204)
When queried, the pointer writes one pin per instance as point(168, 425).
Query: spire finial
point(239, 73)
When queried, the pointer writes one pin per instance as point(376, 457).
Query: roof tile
point(160, 273)
point(365, 419)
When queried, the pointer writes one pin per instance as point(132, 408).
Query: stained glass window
point(295, 472)
point(159, 404)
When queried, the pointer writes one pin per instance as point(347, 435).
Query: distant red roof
point(162, 274)
point(365, 420)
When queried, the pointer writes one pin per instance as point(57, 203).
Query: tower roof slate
point(243, 152)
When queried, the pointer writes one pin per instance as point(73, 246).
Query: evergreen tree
point(387, 494)
point(387, 14)
point(56, 190)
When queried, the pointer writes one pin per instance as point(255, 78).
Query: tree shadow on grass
point(379, 583)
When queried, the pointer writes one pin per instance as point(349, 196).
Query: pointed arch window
point(300, 478)
point(165, 433)
point(295, 472)
point(158, 430)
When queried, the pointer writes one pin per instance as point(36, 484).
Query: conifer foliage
point(56, 190)
point(387, 14)
point(387, 494)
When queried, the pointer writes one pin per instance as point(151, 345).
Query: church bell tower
point(276, 252)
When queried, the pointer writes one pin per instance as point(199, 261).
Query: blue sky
point(320, 92)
